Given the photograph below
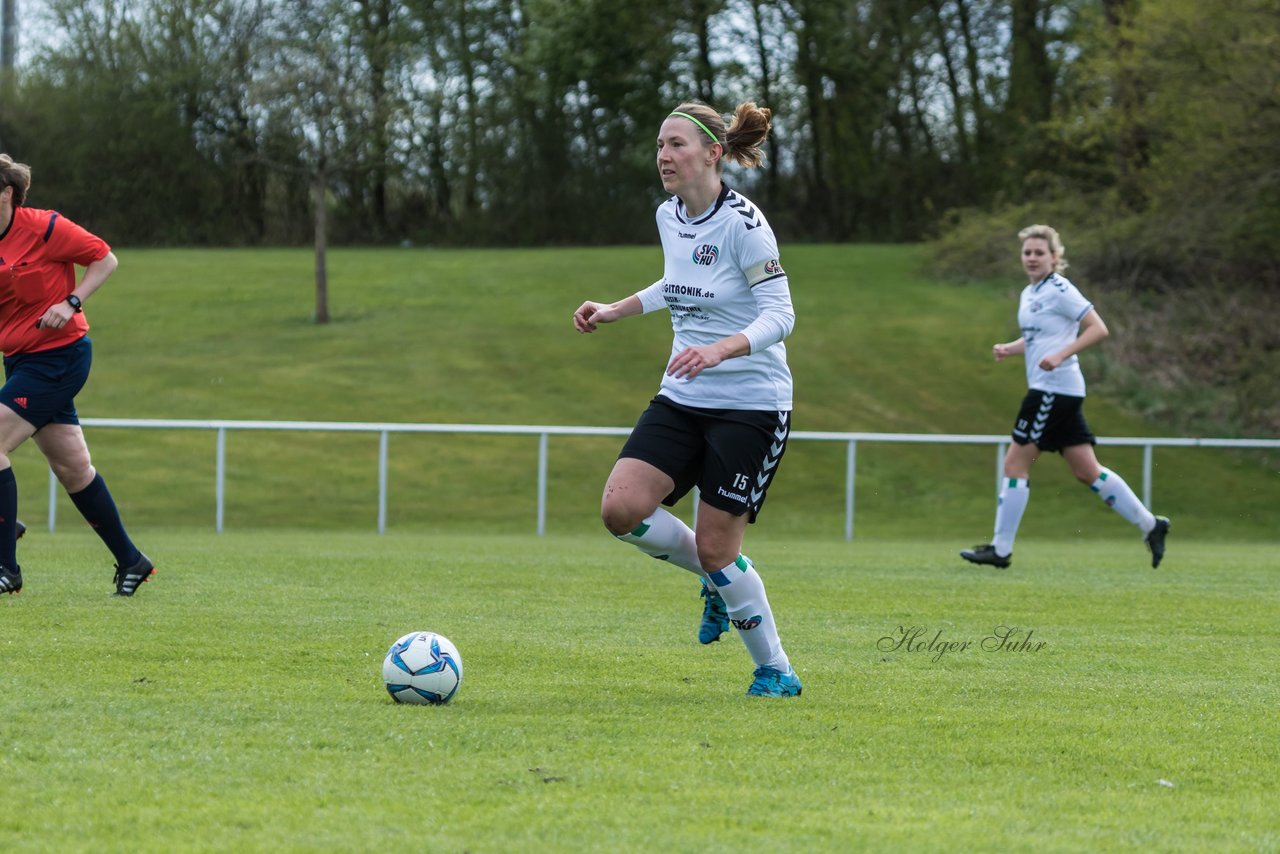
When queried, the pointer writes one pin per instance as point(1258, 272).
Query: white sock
point(743, 592)
point(1120, 498)
point(665, 537)
point(1014, 494)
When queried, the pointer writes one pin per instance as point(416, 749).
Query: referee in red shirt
point(47, 354)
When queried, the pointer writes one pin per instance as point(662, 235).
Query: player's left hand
point(1048, 363)
point(692, 361)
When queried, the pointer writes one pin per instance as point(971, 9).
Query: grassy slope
point(484, 337)
point(235, 703)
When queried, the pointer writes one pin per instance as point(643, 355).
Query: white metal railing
point(545, 432)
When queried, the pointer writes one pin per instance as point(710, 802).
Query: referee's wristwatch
point(74, 302)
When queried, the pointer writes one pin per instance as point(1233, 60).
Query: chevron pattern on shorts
point(1042, 417)
point(771, 459)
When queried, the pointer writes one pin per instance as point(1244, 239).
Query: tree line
point(1149, 126)
point(520, 121)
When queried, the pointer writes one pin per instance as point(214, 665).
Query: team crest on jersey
point(1036, 305)
point(773, 265)
point(706, 254)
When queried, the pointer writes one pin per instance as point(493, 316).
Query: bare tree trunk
point(908, 48)
point(471, 178)
point(981, 123)
point(807, 70)
point(376, 18)
point(8, 36)
point(1030, 69)
point(953, 82)
point(705, 71)
point(321, 184)
point(1134, 145)
point(1029, 99)
point(766, 93)
point(8, 40)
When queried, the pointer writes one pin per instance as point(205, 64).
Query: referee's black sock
point(8, 520)
point(99, 509)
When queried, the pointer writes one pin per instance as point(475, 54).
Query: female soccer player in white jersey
point(1057, 323)
point(722, 415)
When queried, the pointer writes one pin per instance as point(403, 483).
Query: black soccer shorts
point(731, 455)
point(1052, 421)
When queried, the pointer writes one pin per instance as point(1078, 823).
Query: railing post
point(220, 476)
point(382, 482)
point(542, 484)
point(1000, 451)
point(850, 476)
point(1146, 475)
point(53, 501)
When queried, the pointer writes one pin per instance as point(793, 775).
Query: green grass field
point(236, 704)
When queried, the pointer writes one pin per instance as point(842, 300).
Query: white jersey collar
point(683, 215)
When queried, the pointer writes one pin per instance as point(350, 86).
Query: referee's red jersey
point(38, 257)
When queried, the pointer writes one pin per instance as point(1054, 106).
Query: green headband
point(705, 129)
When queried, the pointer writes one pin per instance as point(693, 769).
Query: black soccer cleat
point(128, 580)
point(1155, 540)
point(986, 554)
point(10, 580)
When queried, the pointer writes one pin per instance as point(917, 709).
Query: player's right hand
point(589, 314)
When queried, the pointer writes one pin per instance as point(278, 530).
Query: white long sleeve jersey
point(722, 276)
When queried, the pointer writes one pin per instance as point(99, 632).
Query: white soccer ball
point(423, 668)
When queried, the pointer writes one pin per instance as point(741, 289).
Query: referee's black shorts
point(42, 386)
point(731, 455)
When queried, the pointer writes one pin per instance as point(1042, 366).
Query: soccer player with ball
point(1057, 323)
point(722, 415)
point(44, 337)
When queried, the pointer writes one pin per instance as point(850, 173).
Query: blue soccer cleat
point(715, 616)
point(771, 682)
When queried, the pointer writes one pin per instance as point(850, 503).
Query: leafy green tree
point(123, 155)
